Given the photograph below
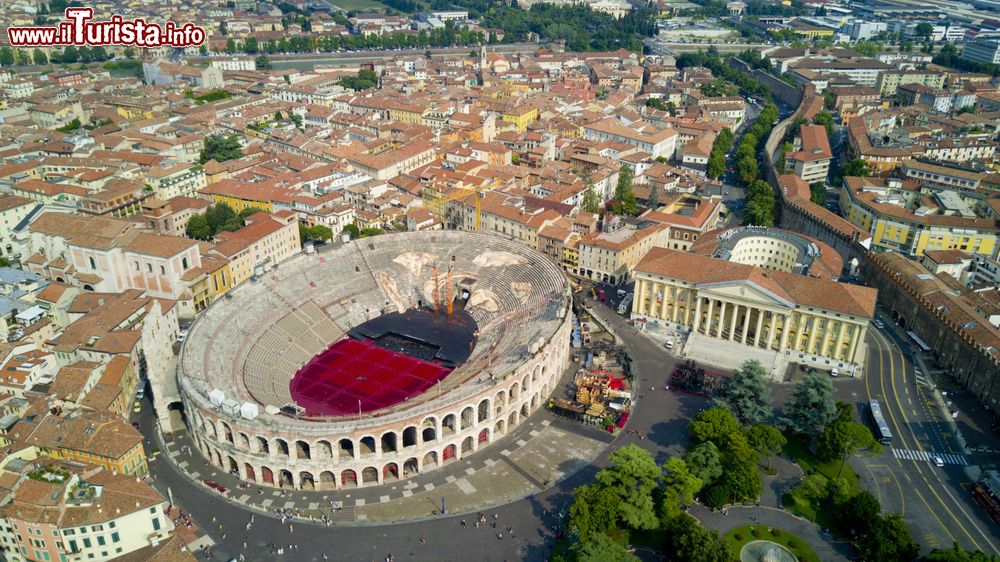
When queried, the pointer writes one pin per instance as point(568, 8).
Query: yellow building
point(520, 116)
point(100, 438)
point(241, 196)
point(893, 213)
point(407, 114)
point(809, 318)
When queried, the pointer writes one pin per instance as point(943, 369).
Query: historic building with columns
point(808, 319)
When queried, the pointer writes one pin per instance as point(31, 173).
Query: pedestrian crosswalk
point(925, 456)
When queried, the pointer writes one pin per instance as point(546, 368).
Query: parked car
point(138, 407)
point(834, 372)
point(938, 461)
point(879, 324)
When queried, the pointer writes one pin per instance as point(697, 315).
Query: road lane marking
point(918, 468)
point(892, 420)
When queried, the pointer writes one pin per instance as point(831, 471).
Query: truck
point(625, 304)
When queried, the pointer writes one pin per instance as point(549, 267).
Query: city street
point(933, 500)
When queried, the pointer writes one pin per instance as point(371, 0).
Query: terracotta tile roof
point(798, 289)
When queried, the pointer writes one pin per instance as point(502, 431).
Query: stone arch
point(227, 433)
point(468, 417)
point(346, 448)
point(263, 446)
point(327, 480)
point(411, 466)
point(449, 453)
point(389, 442)
point(349, 479)
point(512, 421)
point(534, 401)
point(430, 460)
point(515, 392)
point(369, 476)
point(302, 450)
point(525, 381)
point(285, 478)
point(524, 410)
point(211, 430)
point(232, 466)
point(251, 474)
point(409, 436)
point(484, 436)
point(484, 410)
point(498, 428)
point(324, 449)
point(306, 481)
point(535, 373)
point(428, 429)
point(367, 446)
point(468, 445)
point(283, 447)
point(448, 425)
point(267, 475)
point(499, 401)
point(390, 472)
point(218, 458)
point(245, 440)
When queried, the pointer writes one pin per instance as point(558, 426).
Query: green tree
point(600, 549)
point(811, 408)
point(844, 438)
point(220, 148)
point(320, 233)
point(219, 216)
point(40, 57)
point(817, 192)
point(197, 227)
point(129, 53)
point(7, 56)
point(887, 540)
point(262, 63)
point(656, 103)
point(824, 118)
point(70, 55)
point(813, 487)
point(352, 231)
point(855, 168)
point(740, 476)
point(924, 30)
point(247, 211)
point(746, 395)
point(858, 512)
point(250, 46)
point(593, 512)
point(515, 159)
point(766, 440)
point(591, 203)
point(679, 485)
point(705, 462)
point(625, 202)
point(716, 164)
point(672, 108)
point(688, 541)
point(632, 476)
point(717, 425)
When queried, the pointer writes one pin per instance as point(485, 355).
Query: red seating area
point(351, 370)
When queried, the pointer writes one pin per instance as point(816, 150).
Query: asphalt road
point(934, 501)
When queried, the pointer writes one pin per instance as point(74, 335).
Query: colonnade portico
point(743, 312)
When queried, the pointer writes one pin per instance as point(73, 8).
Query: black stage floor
point(423, 334)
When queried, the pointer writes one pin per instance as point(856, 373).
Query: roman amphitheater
point(376, 360)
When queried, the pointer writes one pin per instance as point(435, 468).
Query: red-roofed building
point(812, 155)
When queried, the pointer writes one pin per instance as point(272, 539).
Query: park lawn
point(799, 451)
point(801, 549)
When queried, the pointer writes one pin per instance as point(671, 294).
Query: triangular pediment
point(744, 291)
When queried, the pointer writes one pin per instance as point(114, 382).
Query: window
point(184, 263)
point(115, 537)
point(156, 523)
point(149, 268)
point(86, 542)
point(101, 541)
point(135, 265)
point(163, 270)
point(93, 264)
